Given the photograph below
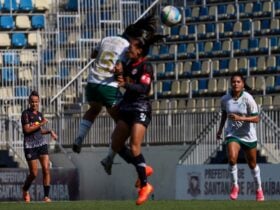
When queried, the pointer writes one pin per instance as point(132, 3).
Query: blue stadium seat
point(253, 63)
point(191, 31)
point(10, 58)
point(200, 46)
point(72, 5)
point(278, 63)
point(203, 13)
point(202, 86)
point(38, 21)
point(163, 51)
point(196, 67)
point(8, 74)
point(228, 29)
point(10, 5)
point(48, 55)
point(223, 66)
point(210, 29)
point(273, 43)
point(241, 7)
point(222, 10)
point(25, 5)
point(182, 50)
point(19, 40)
point(277, 7)
point(236, 45)
point(277, 83)
point(253, 45)
point(166, 87)
point(188, 13)
point(22, 91)
point(265, 26)
point(217, 48)
point(257, 9)
point(64, 73)
point(7, 22)
point(169, 69)
point(175, 32)
point(246, 27)
point(72, 53)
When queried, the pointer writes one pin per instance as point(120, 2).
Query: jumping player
point(241, 111)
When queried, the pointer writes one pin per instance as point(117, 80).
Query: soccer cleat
point(76, 147)
point(107, 163)
point(143, 194)
point(26, 196)
point(149, 172)
point(47, 199)
point(259, 195)
point(234, 192)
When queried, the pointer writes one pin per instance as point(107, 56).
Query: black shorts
point(35, 153)
point(132, 117)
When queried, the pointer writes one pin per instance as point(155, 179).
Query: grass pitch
point(149, 205)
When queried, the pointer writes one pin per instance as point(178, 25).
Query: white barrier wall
point(212, 182)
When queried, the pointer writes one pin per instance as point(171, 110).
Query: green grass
point(149, 205)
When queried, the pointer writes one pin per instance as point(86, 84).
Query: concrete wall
point(95, 184)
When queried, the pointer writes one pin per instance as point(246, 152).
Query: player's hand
point(120, 80)
point(118, 68)
point(219, 135)
point(54, 135)
point(234, 117)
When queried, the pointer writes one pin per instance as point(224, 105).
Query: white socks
point(234, 175)
point(84, 128)
point(257, 177)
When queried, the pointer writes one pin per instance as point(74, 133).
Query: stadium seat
point(243, 64)
point(264, 44)
point(25, 5)
point(230, 12)
point(212, 12)
point(270, 84)
point(185, 87)
point(10, 58)
point(19, 40)
point(260, 83)
point(195, 13)
point(187, 68)
point(228, 29)
point(212, 85)
point(202, 86)
point(259, 100)
point(155, 106)
point(191, 50)
point(208, 48)
point(191, 105)
point(209, 104)
point(201, 30)
point(72, 53)
point(276, 101)
point(261, 63)
point(72, 5)
point(267, 102)
point(210, 30)
point(271, 63)
point(277, 83)
point(196, 67)
point(253, 63)
point(237, 28)
point(233, 65)
point(236, 46)
point(188, 13)
point(163, 51)
point(274, 26)
point(64, 73)
point(182, 50)
point(248, 9)
point(22, 22)
point(34, 39)
point(267, 8)
point(203, 13)
point(257, 27)
point(183, 32)
point(182, 105)
point(265, 26)
point(169, 69)
point(257, 9)
point(206, 67)
point(41, 5)
point(222, 11)
point(194, 86)
point(175, 32)
point(223, 66)
point(10, 5)
point(5, 40)
point(38, 21)
point(227, 47)
point(175, 88)
point(8, 74)
point(246, 27)
point(244, 46)
point(250, 81)
point(22, 91)
point(25, 74)
point(7, 22)
point(222, 85)
point(217, 48)
point(166, 88)
point(253, 45)
point(160, 70)
point(277, 7)
point(200, 105)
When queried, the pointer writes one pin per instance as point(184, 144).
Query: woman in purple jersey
point(35, 145)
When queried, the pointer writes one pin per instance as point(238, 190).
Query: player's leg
point(45, 163)
point(233, 148)
point(31, 157)
point(251, 156)
point(137, 135)
point(119, 136)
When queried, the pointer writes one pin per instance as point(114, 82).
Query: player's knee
point(135, 149)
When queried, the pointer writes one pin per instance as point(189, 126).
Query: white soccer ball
point(170, 15)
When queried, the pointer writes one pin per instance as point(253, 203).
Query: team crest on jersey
point(134, 71)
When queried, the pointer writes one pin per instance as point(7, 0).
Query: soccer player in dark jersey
point(135, 107)
point(35, 145)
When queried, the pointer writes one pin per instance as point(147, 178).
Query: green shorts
point(106, 95)
point(244, 145)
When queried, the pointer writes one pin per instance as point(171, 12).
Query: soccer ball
point(170, 15)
